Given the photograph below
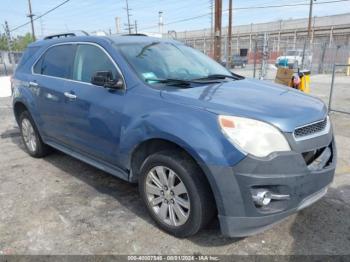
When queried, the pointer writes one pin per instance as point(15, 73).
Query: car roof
point(118, 39)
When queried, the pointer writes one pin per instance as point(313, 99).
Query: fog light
point(261, 197)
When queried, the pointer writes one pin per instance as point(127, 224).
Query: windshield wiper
point(220, 76)
point(169, 81)
point(176, 81)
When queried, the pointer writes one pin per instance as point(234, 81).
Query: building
point(329, 41)
point(334, 30)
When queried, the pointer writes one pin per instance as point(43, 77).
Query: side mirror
point(105, 79)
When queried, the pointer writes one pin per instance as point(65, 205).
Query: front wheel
point(176, 193)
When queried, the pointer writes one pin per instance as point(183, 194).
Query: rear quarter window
point(27, 55)
point(57, 61)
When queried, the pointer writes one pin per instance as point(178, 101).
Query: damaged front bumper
point(302, 174)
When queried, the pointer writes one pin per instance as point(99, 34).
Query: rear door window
point(57, 61)
point(90, 59)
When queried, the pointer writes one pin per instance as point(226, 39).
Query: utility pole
point(310, 20)
point(135, 22)
point(31, 15)
point(211, 4)
point(9, 45)
point(128, 15)
point(307, 40)
point(229, 36)
point(160, 23)
point(217, 30)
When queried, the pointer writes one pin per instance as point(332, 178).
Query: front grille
point(319, 158)
point(310, 129)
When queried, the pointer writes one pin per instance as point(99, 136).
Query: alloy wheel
point(168, 196)
point(29, 135)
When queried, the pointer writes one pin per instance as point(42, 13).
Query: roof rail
point(134, 34)
point(67, 34)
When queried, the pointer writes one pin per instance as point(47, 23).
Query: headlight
point(252, 136)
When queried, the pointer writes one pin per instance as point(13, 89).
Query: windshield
point(160, 60)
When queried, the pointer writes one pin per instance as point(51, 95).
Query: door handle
point(70, 95)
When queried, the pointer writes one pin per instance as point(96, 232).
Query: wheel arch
point(18, 108)
point(154, 145)
point(150, 146)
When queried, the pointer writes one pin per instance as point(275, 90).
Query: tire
point(199, 199)
point(30, 137)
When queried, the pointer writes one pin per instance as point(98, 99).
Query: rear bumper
point(283, 173)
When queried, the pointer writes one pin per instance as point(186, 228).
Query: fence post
point(225, 39)
point(323, 53)
point(5, 69)
point(255, 54)
point(331, 91)
point(204, 44)
point(264, 62)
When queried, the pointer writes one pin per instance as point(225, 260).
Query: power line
point(247, 8)
point(287, 5)
point(179, 21)
point(38, 17)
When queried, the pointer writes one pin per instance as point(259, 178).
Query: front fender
point(196, 131)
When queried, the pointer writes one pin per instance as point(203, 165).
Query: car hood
point(281, 106)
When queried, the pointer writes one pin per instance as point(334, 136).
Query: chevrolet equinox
point(200, 141)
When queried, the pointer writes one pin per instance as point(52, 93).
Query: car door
point(49, 78)
point(93, 117)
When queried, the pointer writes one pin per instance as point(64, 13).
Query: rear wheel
point(176, 194)
point(30, 136)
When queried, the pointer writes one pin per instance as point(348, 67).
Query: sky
point(93, 15)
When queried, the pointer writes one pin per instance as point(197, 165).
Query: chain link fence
point(339, 95)
point(263, 53)
point(256, 55)
point(8, 62)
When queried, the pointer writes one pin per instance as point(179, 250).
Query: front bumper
point(283, 173)
point(245, 226)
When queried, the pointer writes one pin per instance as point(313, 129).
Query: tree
point(3, 42)
point(19, 42)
